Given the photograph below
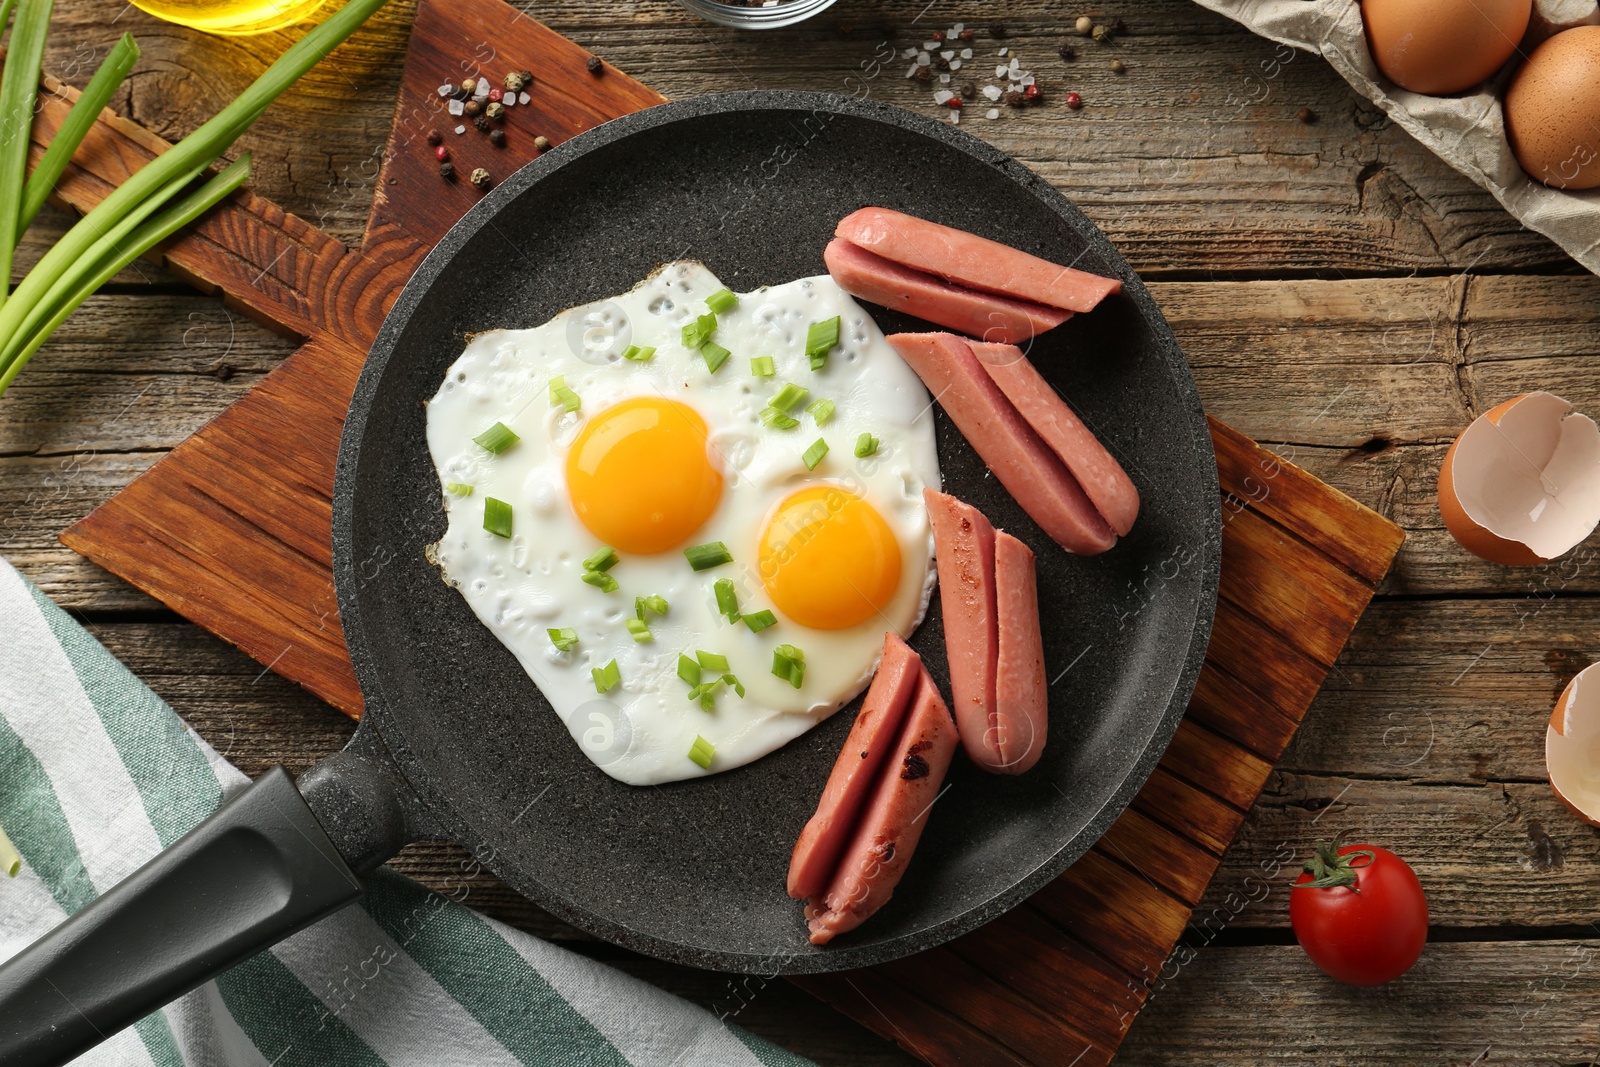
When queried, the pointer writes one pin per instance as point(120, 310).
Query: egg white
point(641, 731)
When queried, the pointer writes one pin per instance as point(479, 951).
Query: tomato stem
point(1328, 868)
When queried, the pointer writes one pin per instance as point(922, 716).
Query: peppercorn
point(1067, 52)
point(527, 79)
point(474, 107)
point(434, 137)
point(967, 35)
point(1118, 67)
point(512, 82)
point(480, 178)
point(593, 66)
point(1118, 26)
point(447, 171)
point(937, 35)
point(496, 95)
point(954, 103)
point(1012, 98)
point(1306, 115)
point(923, 74)
point(1084, 25)
point(481, 123)
point(495, 110)
point(968, 90)
point(497, 137)
point(441, 153)
point(1074, 101)
point(998, 30)
point(541, 143)
point(1101, 33)
point(469, 85)
point(1031, 93)
point(941, 63)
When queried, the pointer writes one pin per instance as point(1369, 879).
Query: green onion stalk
point(134, 217)
point(10, 861)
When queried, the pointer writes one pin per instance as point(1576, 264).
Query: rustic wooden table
point(1341, 294)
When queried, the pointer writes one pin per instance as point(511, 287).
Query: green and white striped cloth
point(97, 774)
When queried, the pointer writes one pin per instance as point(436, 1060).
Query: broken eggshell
point(1521, 485)
point(1572, 746)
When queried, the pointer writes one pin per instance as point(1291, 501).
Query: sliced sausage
point(973, 261)
point(1021, 707)
point(1097, 471)
point(1018, 457)
point(963, 550)
point(865, 752)
point(877, 854)
point(899, 288)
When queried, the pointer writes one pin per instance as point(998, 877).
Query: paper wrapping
point(1467, 131)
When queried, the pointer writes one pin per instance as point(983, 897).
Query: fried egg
point(590, 465)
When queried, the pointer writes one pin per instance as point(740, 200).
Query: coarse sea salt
point(966, 53)
point(483, 88)
point(456, 107)
point(948, 53)
point(1027, 80)
point(912, 73)
point(923, 59)
point(509, 99)
point(993, 92)
point(955, 64)
point(944, 79)
point(930, 46)
point(1000, 71)
point(446, 89)
point(523, 98)
point(1003, 51)
point(955, 118)
point(909, 53)
point(942, 96)
point(992, 113)
point(460, 130)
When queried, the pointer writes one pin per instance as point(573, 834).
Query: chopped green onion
point(602, 560)
point(789, 663)
point(760, 620)
point(715, 355)
point(607, 677)
point(711, 554)
point(496, 438)
point(821, 411)
point(727, 599)
point(699, 331)
point(561, 394)
point(701, 752)
point(600, 580)
point(721, 300)
point(788, 398)
point(458, 489)
point(19, 90)
point(813, 455)
point(762, 366)
point(688, 669)
point(10, 859)
point(644, 604)
point(638, 354)
point(640, 630)
point(706, 693)
point(497, 516)
point(777, 420)
point(738, 686)
point(710, 661)
point(563, 638)
point(866, 445)
point(820, 339)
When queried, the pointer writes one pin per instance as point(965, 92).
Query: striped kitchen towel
point(97, 774)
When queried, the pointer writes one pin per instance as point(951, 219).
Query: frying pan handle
point(259, 869)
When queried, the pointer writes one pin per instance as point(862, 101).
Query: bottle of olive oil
point(233, 17)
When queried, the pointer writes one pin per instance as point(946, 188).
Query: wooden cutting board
point(232, 530)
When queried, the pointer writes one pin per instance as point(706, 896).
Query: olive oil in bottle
point(232, 17)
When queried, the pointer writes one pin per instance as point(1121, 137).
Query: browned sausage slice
point(877, 854)
point(1021, 703)
point(899, 288)
point(876, 729)
point(1017, 456)
point(1097, 471)
point(963, 550)
point(973, 261)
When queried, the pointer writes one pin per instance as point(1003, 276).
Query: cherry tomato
point(1359, 912)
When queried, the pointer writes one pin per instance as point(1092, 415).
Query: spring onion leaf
point(706, 693)
point(699, 331)
point(458, 489)
point(721, 300)
point(600, 580)
point(774, 419)
point(563, 638)
point(19, 90)
point(643, 605)
point(866, 445)
point(738, 686)
point(820, 339)
point(640, 630)
point(638, 354)
point(789, 663)
point(710, 661)
point(497, 516)
point(762, 366)
point(760, 620)
point(602, 560)
point(788, 398)
point(711, 554)
point(496, 438)
point(561, 394)
point(10, 860)
point(715, 355)
point(688, 669)
point(79, 121)
point(701, 752)
point(727, 599)
point(607, 677)
point(813, 455)
point(821, 411)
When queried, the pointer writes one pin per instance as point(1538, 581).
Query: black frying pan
point(458, 742)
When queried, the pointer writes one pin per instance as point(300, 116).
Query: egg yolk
point(640, 476)
point(828, 559)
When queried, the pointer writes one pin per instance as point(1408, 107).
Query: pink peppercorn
point(954, 103)
point(442, 153)
point(497, 95)
point(1074, 101)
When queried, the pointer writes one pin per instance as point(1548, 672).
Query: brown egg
point(1443, 46)
point(1552, 110)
